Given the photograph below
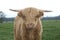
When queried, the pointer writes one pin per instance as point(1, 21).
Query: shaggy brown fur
point(25, 17)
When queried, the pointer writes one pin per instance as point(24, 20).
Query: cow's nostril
point(30, 26)
point(31, 23)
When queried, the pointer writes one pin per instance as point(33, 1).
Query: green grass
point(51, 30)
point(6, 31)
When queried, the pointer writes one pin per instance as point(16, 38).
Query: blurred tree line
point(52, 18)
point(2, 16)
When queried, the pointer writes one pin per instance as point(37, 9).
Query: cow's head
point(30, 16)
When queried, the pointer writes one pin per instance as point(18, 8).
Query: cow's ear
point(41, 13)
point(20, 13)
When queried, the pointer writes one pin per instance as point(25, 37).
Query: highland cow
point(27, 24)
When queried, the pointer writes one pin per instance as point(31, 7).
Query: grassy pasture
point(51, 30)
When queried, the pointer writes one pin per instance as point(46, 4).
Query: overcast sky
point(53, 5)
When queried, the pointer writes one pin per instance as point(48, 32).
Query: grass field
point(51, 30)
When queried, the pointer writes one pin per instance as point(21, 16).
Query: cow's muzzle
point(30, 26)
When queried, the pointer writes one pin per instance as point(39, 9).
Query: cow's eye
point(35, 19)
point(37, 16)
point(23, 16)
